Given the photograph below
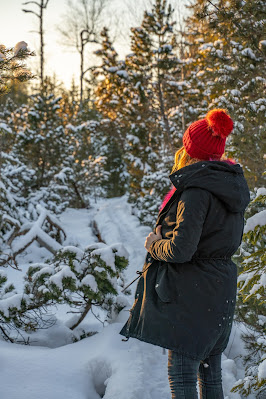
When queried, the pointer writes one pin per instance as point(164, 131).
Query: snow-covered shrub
point(251, 309)
point(45, 229)
point(80, 279)
point(19, 192)
point(11, 304)
point(79, 180)
point(18, 313)
point(16, 181)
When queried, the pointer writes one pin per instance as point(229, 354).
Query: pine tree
point(83, 171)
point(137, 95)
point(41, 141)
point(7, 126)
point(80, 279)
point(153, 68)
point(19, 314)
point(251, 302)
point(229, 59)
point(110, 146)
point(12, 65)
point(110, 94)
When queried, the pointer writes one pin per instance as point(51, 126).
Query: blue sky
point(16, 26)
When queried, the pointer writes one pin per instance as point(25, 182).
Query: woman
point(185, 298)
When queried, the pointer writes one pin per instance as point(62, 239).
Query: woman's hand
point(152, 237)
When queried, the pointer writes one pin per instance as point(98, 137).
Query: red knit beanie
point(205, 138)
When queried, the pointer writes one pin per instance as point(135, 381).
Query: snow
point(262, 370)
point(58, 277)
point(247, 52)
point(133, 139)
point(101, 365)
point(35, 232)
point(20, 46)
point(10, 219)
point(206, 47)
point(4, 125)
point(259, 219)
point(112, 69)
point(90, 281)
point(13, 301)
point(261, 191)
point(44, 270)
point(235, 93)
point(165, 48)
point(71, 248)
point(62, 175)
point(106, 253)
point(261, 282)
point(200, 73)
point(262, 44)
point(123, 74)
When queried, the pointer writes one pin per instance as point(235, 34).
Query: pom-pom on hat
point(205, 138)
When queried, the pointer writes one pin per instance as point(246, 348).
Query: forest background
point(113, 130)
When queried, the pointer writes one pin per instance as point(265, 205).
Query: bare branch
point(31, 12)
point(89, 69)
point(31, 2)
point(5, 334)
point(82, 25)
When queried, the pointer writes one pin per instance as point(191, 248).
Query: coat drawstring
point(140, 274)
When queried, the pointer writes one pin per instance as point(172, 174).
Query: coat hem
point(150, 341)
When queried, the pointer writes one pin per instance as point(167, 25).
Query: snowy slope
point(102, 365)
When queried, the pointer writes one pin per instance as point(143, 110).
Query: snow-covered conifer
point(227, 70)
point(251, 260)
point(80, 278)
point(12, 65)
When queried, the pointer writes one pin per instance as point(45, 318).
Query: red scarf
point(168, 196)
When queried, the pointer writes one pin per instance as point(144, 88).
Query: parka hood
point(225, 181)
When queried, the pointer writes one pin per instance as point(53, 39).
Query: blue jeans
point(183, 373)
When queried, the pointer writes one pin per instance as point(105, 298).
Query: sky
point(16, 26)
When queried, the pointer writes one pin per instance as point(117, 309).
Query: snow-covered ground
point(101, 365)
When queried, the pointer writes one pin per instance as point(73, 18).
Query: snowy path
point(102, 363)
point(77, 224)
point(116, 224)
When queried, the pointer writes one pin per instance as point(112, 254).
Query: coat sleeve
point(191, 213)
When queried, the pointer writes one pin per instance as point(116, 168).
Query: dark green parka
point(185, 300)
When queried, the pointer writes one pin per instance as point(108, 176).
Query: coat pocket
point(161, 284)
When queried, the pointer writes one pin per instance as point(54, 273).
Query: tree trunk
point(79, 196)
point(81, 66)
point(165, 119)
point(82, 316)
point(41, 44)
